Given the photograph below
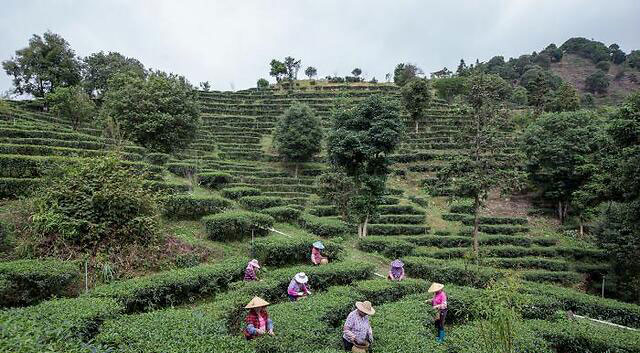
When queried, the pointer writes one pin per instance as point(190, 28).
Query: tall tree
point(416, 95)
point(71, 103)
point(361, 139)
point(560, 150)
point(404, 72)
point(311, 72)
point(160, 112)
point(356, 72)
point(298, 135)
point(564, 99)
point(485, 137)
point(48, 62)
point(99, 67)
point(292, 65)
point(278, 69)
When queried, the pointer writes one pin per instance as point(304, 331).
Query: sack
point(357, 348)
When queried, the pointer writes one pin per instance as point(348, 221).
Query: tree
point(463, 69)
point(361, 139)
point(278, 69)
point(298, 135)
point(416, 95)
point(633, 59)
point(46, 64)
point(160, 112)
point(311, 72)
point(71, 103)
point(519, 96)
point(481, 164)
point(560, 150)
point(99, 67)
point(449, 87)
point(597, 82)
point(292, 65)
point(262, 84)
point(356, 72)
point(205, 86)
point(564, 99)
point(617, 55)
point(405, 72)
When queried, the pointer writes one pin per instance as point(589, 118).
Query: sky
point(231, 42)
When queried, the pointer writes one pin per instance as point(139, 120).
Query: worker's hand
point(352, 336)
point(260, 331)
point(271, 333)
point(300, 294)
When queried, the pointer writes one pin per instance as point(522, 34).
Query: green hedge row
point(157, 158)
point(173, 287)
point(400, 209)
point(60, 325)
point(26, 282)
point(236, 225)
point(214, 180)
point(484, 240)
point(323, 211)
point(281, 250)
point(485, 220)
point(502, 229)
point(564, 278)
point(390, 247)
point(283, 213)
point(182, 169)
point(400, 219)
point(527, 262)
point(237, 192)
point(396, 229)
point(462, 206)
point(40, 150)
point(257, 203)
point(15, 187)
point(324, 227)
point(80, 143)
point(193, 207)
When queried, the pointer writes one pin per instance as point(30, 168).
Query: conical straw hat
point(365, 307)
point(435, 287)
point(256, 302)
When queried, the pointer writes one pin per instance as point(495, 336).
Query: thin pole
point(253, 253)
point(603, 286)
point(86, 277)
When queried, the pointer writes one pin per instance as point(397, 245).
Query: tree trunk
point(476, 223)
point(560, 212)
point(364, 227)
point(581, 225)
point(296, 172)
point(416, 126)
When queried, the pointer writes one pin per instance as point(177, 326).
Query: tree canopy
point(99, 67)
point(404, 72)
point(71, 103)
point(416, 95)
point(310, 72)
point(48, 62)
point(298, 134)
point(159, 112)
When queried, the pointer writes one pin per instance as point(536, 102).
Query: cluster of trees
point(587, 164)
point(153, 108)
point(289, 67)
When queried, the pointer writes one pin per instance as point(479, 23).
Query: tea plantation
point(228, 198)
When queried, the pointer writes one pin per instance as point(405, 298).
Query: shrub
point(450, 272)
point(389, 247)
point(324, 211)
point(193, 207)
point(214, 180)
point(527, 262)
point(26, 282)
point(603, 65)
point(59, 325)
point(182, 169)
point(324, 227)
point(96, 202)
point(172, 287)
point(597, 82)
point(283, 213)
point(157, 158)
point(235, 225)
point(240, 191)
point(256, 203)
point(400, 209)
point(468, 219)
point(262, 84)
point(16, 187)
point(278, 250)
point(396, 229)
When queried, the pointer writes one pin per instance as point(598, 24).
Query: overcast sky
point(230, 43)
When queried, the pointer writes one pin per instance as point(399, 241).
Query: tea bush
point(193, 207)
point(283, 213)
point(388, 246)
point(172, 287)
point(214, 180)
point(324, 227)
point(256, 203)
point(240, 191)
point(235, 225)
point(26, 282)
point(280, 250)
point(158, 158)
point(97, 202)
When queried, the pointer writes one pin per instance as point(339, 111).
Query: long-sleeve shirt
point(250, 274)
point(359, 326)
point(439, 301)
point(295, 287)
point(257, 321)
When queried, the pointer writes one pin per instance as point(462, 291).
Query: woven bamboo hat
point(301, 278)
point(435, 287)
point(256, 302)
point(365, 307)
point(318, 245)
point(254, 263)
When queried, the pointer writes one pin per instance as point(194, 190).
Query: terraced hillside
point(230, 174)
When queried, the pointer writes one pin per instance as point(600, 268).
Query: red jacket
point(252, 319)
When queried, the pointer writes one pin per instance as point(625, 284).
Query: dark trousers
point(440, 322)
point(347, 345)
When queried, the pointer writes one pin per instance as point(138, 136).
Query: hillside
point(575, 69)
point(192, 299)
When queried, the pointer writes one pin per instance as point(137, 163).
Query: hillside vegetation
point(158, 265)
